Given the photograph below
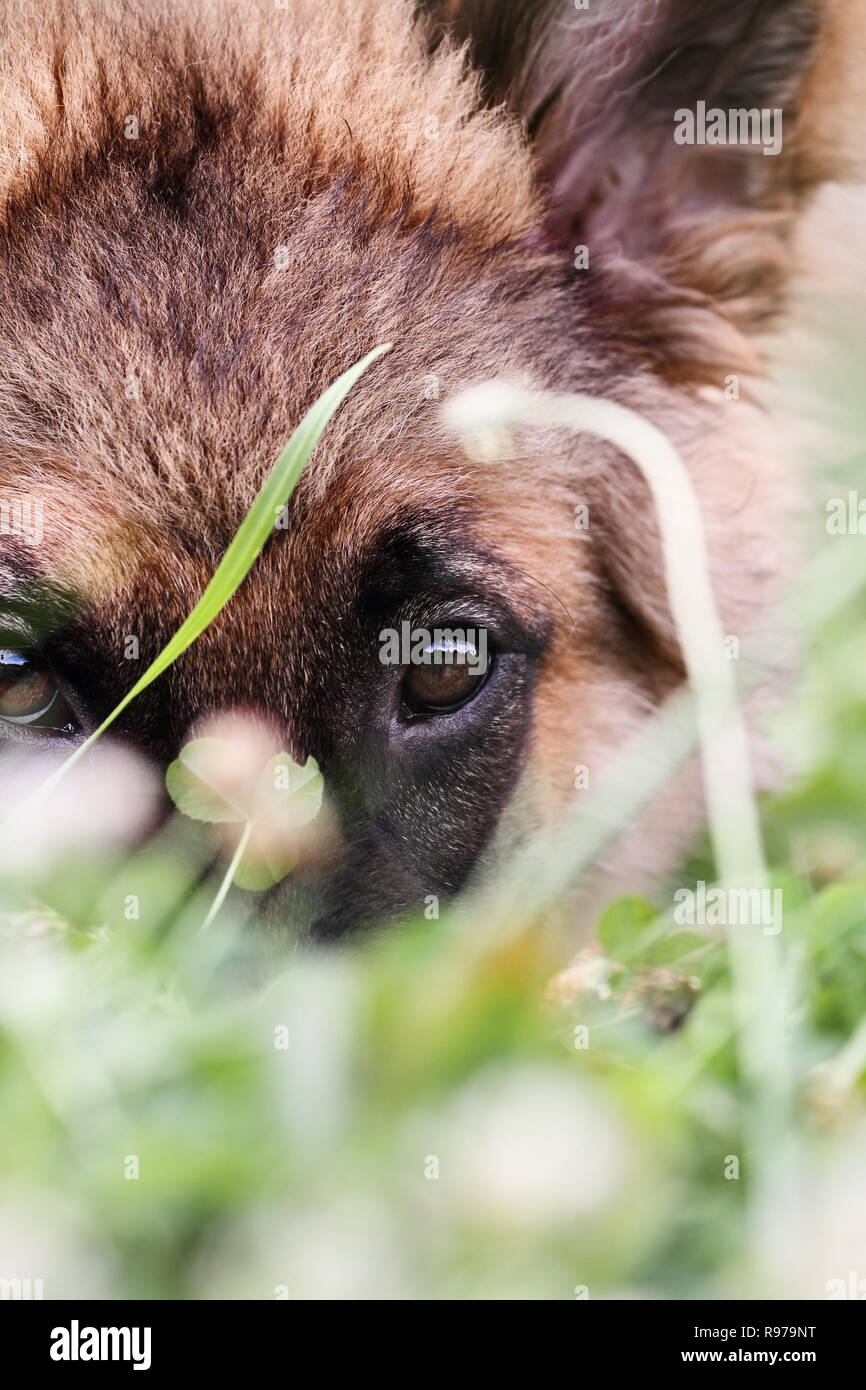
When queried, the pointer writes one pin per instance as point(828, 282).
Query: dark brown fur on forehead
point(149, 331)
point(172, 303)
point(317, 89)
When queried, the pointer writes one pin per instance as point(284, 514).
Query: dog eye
point(449, 676)
point(29, 694)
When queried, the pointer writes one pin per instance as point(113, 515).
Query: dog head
point(210, 210)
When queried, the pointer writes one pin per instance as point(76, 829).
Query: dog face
point(209, 214)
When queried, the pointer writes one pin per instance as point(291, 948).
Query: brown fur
point(414, 211)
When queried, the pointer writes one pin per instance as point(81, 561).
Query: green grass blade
point(245, 548)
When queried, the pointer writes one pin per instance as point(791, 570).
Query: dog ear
point(609, 95)
point(688, 245)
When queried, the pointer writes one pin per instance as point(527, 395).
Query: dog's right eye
point(30, 696)
point(438, 690)
point(448, 678)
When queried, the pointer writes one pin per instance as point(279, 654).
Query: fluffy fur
point(303, 183)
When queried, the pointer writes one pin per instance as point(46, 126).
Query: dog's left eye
point(448, 678)
point(29, 694)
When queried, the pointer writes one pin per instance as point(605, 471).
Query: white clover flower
point(529, 1145)
point(108, 801)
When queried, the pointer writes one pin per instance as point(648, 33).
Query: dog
point(211, 208)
